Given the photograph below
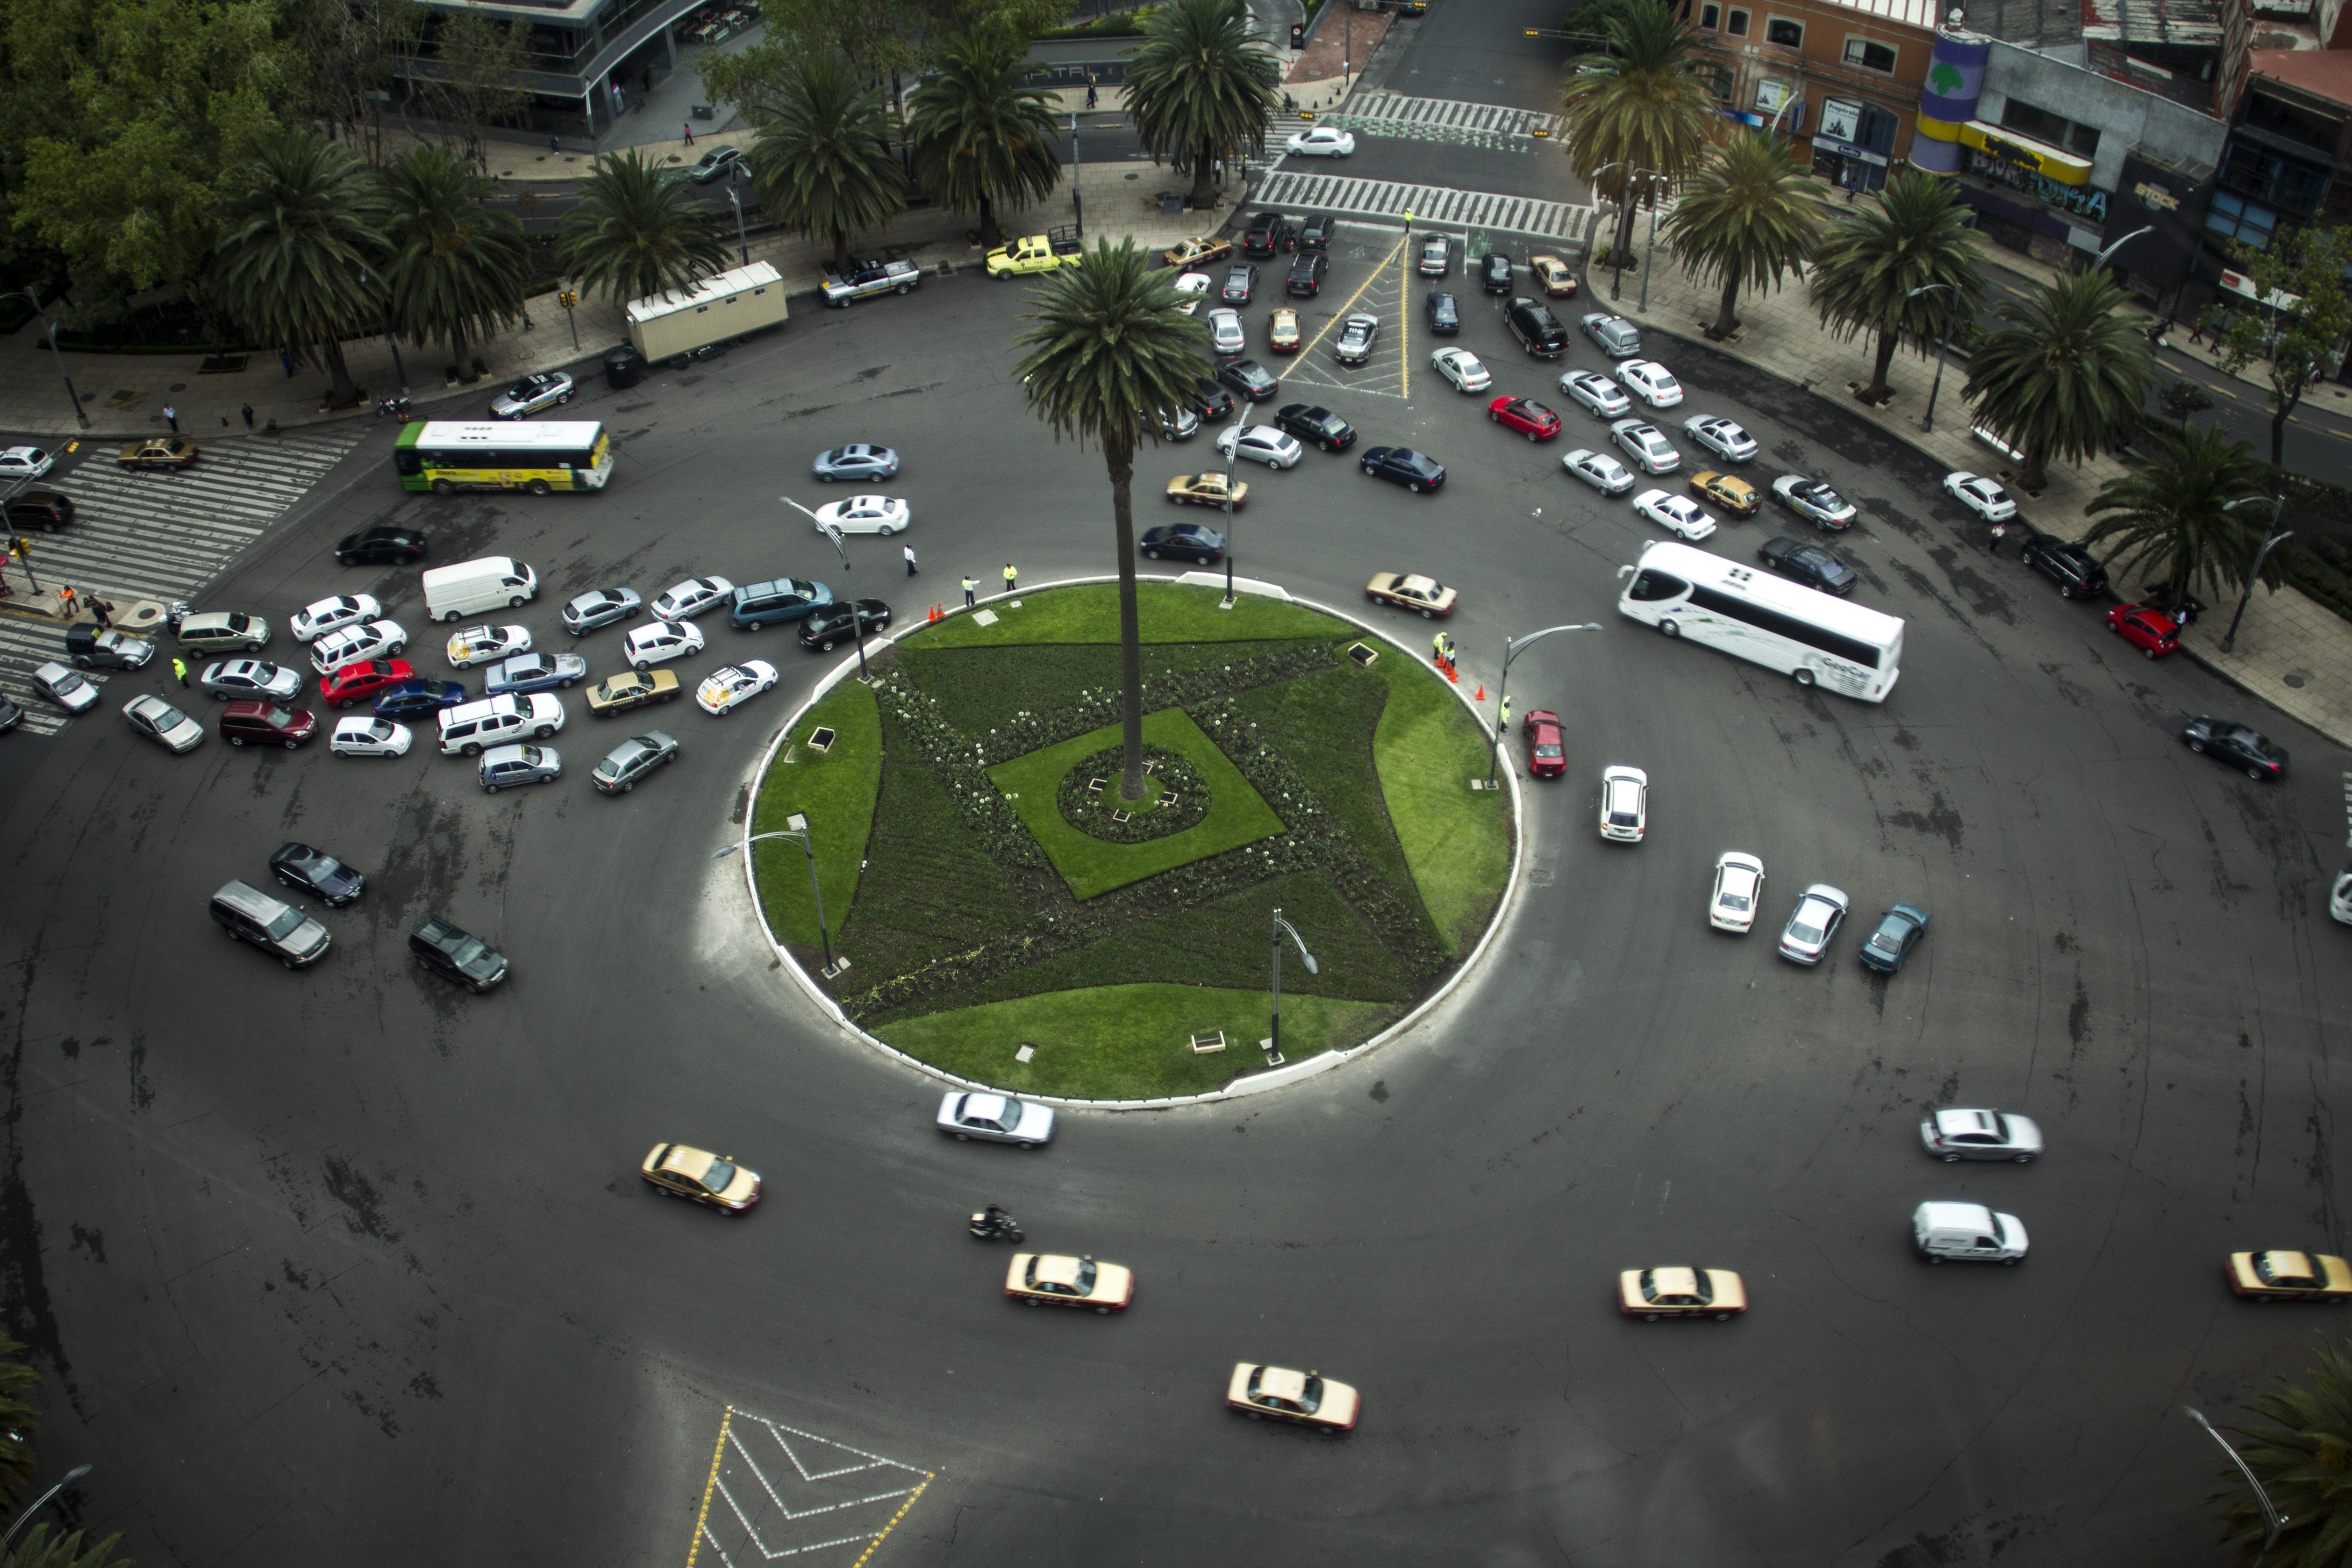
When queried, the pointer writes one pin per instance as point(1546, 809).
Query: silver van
point(1617, 336)
point(469, 728)
point(276, 927)
point(1969, 1231)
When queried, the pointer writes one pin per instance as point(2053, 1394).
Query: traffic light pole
point(22, 548)
point(569, 298)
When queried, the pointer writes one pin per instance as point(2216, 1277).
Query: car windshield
point(66, 685)
point(522, 389)
point(167, 717)
point(287, 922)
point(721, 1175)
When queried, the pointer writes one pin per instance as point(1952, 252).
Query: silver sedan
point(996, 1118)
point(1819, 910)
point(857, 460)
point(599, 607)
point(1955, 1135)
point(249, 678)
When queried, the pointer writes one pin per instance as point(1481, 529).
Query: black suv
point(1444, 314)
point(44, 509)
point(1211, 401)
point(1539, 330)
point(1307, 269)
point(1268, 233)
point(2072, 567)
point(1319, 426)
point(458, 955)
point(1494, 273)
point(1315, 234)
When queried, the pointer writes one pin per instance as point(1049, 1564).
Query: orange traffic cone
point(1453, 675)
point(1482, 694)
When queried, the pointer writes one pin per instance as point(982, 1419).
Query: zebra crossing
point(159, 536)
point(1435, 205)
point(1494, 126)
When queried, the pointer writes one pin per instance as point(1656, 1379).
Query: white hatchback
point(361, 736)
point(722, 690)
point(660, 641)
point(481, 644)
point(1624, 805)
point(373, 639)
point(1191, 288)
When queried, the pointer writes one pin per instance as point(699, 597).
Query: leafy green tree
point(1112, 347)
point(351, 53)
point(2182, 397)
point(635, 233)
point(18, 1422)
point(2069, 377)
point(882, 37)
point(456, 267)
point(482, 60)
point(1202, 87)
point(299, 258)
point(821, 163)
point(2303, 271)
point(2303, 1459)
point(39, 1547)
point(981, 133)
point(2170, 515)
point(1870, 264)
point(1747, 217)
point(1636, 108)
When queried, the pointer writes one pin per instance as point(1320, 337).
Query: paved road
point(344, 1266)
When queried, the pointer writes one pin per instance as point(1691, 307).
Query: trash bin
point(1170, 203)
point(624, 366)
point(702, 112)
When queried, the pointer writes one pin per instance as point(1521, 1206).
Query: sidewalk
point(2291, 651)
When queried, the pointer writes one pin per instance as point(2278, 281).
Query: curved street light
point(41, 1502)
point(1512, 648)
point(81, 421)
point(2277, 1520)
point(1929, 421)
point(1617, 284)
point(798, 830)
point(1274, 1043)
point(2278, 536)
point(2101, 259)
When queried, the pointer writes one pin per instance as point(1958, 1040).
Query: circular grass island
point(1000, 920)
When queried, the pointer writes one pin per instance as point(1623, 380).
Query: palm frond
point(635, 232)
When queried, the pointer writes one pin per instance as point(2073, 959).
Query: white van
point(469, 587)
point(1968, 1231)
point(469, 728)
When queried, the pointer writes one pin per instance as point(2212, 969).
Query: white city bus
point(1744, 610)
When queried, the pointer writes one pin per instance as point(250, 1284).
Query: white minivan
point(471, 728)
point(469, 587)
point(1970, 1231)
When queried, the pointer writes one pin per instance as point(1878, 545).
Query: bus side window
point(1650, 587)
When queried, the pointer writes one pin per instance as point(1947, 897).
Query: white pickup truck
point(864, 278)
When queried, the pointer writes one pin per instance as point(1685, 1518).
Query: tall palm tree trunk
point(342, 394)
point(1890, 336)
point(1205, 183)
point(1725, 322)
point(1119, 455)
point(987, 224)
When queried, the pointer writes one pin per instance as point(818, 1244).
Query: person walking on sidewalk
point(180, 668)
point(1090, 90)
point(970, 587)
point(690, 133)
point(1999, 532)
point(104, 613)
point(910, 560)
point(172, 417)
point(1012, 580)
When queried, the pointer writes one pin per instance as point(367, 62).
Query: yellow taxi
point(1306, 1398)
point(1408, 591)
point(619, 693)
point(1282, 335)
point(160, 453)
point(1729, 491)
point(2290, 1277)
point(682, 1170)
point(1206, 490)
point(1047, 1279)
point(1197, 251)
point(1557, 278)
point(1654, 1293)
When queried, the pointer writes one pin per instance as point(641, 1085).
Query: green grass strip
point(835, 790)
point(1457, 840)
point(1165, 612)
point(1237, 815)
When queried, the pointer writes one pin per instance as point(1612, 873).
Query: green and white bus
point(502, 455)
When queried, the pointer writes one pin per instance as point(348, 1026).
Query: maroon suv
point(266, 724)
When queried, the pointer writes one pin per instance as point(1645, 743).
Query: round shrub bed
point(1094, 810)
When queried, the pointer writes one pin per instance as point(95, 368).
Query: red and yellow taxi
point(1306, 1398)
point(1282, 332)
point(1729, 491)
point(1426, 595)
point(1207, 490)
point(1654, 1293)
point(1197, 251)
point(2290, 1277)
point(361, 682)
point(2146, 627)
point(682, 1170)
point(1546, 750)
point(1526, 415)
point(1047, 1279)
point(1557, 278)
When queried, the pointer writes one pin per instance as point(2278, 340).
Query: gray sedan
point(63, 686)
point(530, 395)
point(996, 1118)
point(250, 677)
point(504, 767)
point(1819, 910)
point(857, 460)
point(632, 760)
point(534, 672)
point(1956, 1135)
point(600, 607)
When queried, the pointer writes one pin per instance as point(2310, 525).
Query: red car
point(357, 683)
point(1525, 415)
point(1547, 754)
point(266, 724)
point(2146, 627)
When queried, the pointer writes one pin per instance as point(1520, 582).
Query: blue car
point(1885, 948)
point(534, 672)
point(419, 698)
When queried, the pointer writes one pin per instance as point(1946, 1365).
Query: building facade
point(584, 60)
point(1843, 79)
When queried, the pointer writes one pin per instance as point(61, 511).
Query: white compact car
point(1597, 393)
point(1322, 142)
point(1982, 496)
point(1650, 381)
point(1738, 885)
point(1722, 437)
point(1625, 803)
point(26, 463)
point(361, 736)
point(996, 1118)
point(314, 621)
point(1678, 515)
point(1966, 1232)
point(658, 642)
point(1261, 444)
point(373, 639)
point(866, 514)
point(481, 644)
point(723, 690)
point(1192, 288)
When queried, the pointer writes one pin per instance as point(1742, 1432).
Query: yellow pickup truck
point(1036, 253)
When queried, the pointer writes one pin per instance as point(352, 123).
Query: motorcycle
point(396, 406)
point(994, 1225)
point(178, 613)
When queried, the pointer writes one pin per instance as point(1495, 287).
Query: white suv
point(376, 640)
point(469, 728)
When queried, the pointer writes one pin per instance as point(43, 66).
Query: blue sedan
point(419, 698)
point(1885, 948)
point(858, 460)
point(1403, 466)
point(534, 672)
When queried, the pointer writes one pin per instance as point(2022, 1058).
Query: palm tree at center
point(1869, 269)
point(1747, 217)
point(457, 265)
point(299, 248)
point(1111, 348)
point(635, 233)
point(2069, 376)
point(981, 133)
point(1638, 110)
point(1202, 86)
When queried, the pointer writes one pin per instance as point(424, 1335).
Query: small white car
point(1982, 496)
point(1814, 921)
point(1625, 803)
point(657, 642)
point(314, 621)
point(1646, 444)
point(1678, 515)
point(1725, 438)
point(68, 688)
point(1322, 142)
point(1599, 470)
point(723, 690)
point(481, 644)
point(1461, 367)
point(1966, 1232)
point(163, 723)
point(370, 640)
point(1261, 444)
point(1226, 333)
point(691, 598)
point(1597, 393)
point(996, 1118)
point(26, 463)
point(1191, 288)
point(866, 514)
point(1650, 381)
point(1739, 887)
point(361, 736)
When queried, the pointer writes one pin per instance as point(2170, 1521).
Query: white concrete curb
point(1255, 1083)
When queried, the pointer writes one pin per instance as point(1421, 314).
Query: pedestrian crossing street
point(1437, 206)
point(1492, 126)
point(159, 536)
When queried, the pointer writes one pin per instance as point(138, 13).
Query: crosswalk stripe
point(1428, 204)
point(1379, 111)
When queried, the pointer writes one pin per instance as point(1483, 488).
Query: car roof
point(1964, 1120)
point(1281, 1382)
point(1956, 1216)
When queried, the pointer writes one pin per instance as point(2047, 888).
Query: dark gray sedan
point(632, 760)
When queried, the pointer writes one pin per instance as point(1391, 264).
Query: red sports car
point(2146, 627)
point(1547, 754)
point(357, 683)
point(1525, 415)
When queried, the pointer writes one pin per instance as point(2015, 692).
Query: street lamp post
point(1617, 252)
point(2277, 1520)
point(2278, 536)
point(1233, 461)
point(1273, 1042)
point(1649, 256)
point(41, 1502)
point(80, 420)
point(798, 830)
point(743, 239)
point(1512, 648)
point(832, 532)
point(1944, 348)
point(2101, 259)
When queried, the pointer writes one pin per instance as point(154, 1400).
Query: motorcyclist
point(994, 1218)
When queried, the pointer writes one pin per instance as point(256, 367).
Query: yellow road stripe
point(1358, 294)
point(717, 1455)
point(875, 1544)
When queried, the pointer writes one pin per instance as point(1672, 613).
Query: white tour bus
point(1783, 625)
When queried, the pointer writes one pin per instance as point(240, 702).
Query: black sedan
point(1494, 273)
point(386, 545)
point(457, 954)
point(2230, 742)
point(1210, 402)
point(419, 698)
point(318, 873)
point(1403, 466)
point(1808, 563)
point(1185, 541)
point(1444, 314)
point(1241, 282)
point(2075, 571)
point(1318, 425)
point(830, 626)
point(1249, 378)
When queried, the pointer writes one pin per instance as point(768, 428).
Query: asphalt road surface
point(347, 1266)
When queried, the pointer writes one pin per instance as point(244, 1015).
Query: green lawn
point(981, 688)
point(1457, 839)
point(835, 790)
point(1166, 613)
point(1092, 865)
point(1126, 1042)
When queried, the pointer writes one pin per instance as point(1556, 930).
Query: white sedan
point(355, 645)
point(1599, 470)
point(866, 514)
point(1980, 495)
point(1625, 803)
point(1678, 515)
point(332, 615)
point(1226, 334)
point(1650, 381)
point(1322, 142)
point(1739, 887)
point(1597, 393)
point(691, 598)
point(1722, 437)
point(1461, 367)
point(1261, 444)
point(1191, 288)
point(481, 644)
point(361, 736)
point(657, 642)
point(26, 463)
point(995, 1117)
point(723, 690)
